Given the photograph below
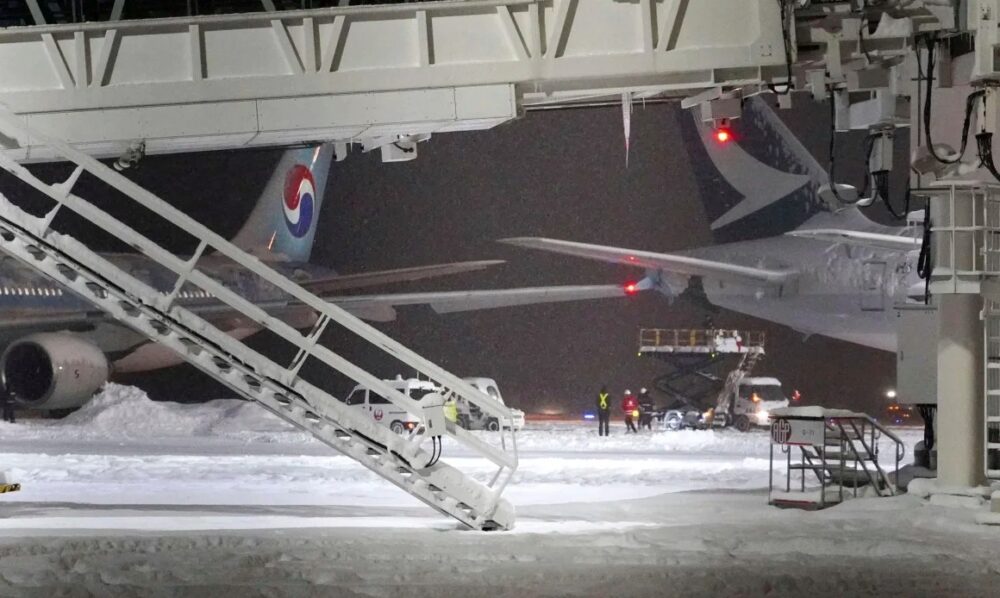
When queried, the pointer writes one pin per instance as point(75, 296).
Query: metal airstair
point(841, 456)
point(725, 403)
point(413, 463)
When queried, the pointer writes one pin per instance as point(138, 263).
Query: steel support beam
point(345, 74)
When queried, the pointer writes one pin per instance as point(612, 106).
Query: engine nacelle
point(53, 370)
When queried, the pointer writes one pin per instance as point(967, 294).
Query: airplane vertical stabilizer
point(283, 224)
point(762, 183)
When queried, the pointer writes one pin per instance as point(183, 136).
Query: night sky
point(560, 174)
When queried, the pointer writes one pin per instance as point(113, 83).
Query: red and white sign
point(798, 431)
point(378, 415)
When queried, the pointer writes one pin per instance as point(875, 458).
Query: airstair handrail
point(900, 445)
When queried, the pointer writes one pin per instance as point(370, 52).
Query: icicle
point(627, 121)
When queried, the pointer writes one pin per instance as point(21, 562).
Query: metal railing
point(698, 337)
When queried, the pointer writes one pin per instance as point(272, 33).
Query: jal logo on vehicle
point(378, 415)
point(781, 430)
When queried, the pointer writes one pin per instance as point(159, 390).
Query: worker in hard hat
point(603, 412)
point(631, 408)
point(646, 407)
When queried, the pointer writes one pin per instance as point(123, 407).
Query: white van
point(384, 412)
point(475, 419)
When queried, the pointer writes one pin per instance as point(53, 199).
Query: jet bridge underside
point(366, 74)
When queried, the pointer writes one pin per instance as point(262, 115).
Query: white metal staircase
point(842, 460)
point(412, 463)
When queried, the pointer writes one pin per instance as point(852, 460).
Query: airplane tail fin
point(282, 226)
point(761, 183)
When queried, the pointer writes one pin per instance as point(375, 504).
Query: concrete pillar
point(960, 413)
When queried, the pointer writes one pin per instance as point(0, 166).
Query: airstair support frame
point(368, 72)
point(277, 388)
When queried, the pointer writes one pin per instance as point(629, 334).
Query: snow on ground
point(128, 497)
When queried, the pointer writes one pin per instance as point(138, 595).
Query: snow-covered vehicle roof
point(760, 381)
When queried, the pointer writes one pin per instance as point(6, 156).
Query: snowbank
point(126, 412)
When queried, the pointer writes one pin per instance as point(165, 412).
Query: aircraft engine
point(53, 370)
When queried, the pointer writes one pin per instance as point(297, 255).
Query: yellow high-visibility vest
point(451, 411)
point(604, 400)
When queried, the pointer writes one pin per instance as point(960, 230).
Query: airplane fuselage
point(30, 301)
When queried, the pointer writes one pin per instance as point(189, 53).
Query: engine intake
point(53, 370)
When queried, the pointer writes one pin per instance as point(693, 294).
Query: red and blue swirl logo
point(300, 200)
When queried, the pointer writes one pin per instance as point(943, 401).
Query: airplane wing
point(333, 284)
point(858, 238)
point(380, 308)
point(679, 264)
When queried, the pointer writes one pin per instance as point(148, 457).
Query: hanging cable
point(924, 266)
point(970, 104)
point(831, 171)
point(786, 17)
point(861, 31)
point(984, 141)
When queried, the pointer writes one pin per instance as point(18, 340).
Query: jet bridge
point(291, 391)
point(385, 76)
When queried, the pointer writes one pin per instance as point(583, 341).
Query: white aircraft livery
point(784, 254)
point(57, 350)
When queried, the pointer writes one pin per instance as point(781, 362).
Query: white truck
point(386, 413)
point(751, 401)
point(475, 419)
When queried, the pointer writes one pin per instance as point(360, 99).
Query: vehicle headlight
point(762, 416)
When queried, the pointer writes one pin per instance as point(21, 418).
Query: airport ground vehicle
point(384, 412)
point(398, 420)
point(475, 419)
point(749, 405)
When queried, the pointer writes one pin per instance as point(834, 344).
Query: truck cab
point(384, 412)
point(473, 418)
point(755, 398)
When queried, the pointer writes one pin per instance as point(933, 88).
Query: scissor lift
point(700, 360)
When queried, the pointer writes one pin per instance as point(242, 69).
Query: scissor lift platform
point(700, 360)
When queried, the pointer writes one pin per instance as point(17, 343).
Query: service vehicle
point(472, 417)
point(382, 411)
point(750, 404)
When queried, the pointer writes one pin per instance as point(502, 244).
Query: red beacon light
point(723, 135)
point(631, 288)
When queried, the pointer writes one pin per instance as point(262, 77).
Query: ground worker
point(631, 408)
point(603, 412)
point(646, 407)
